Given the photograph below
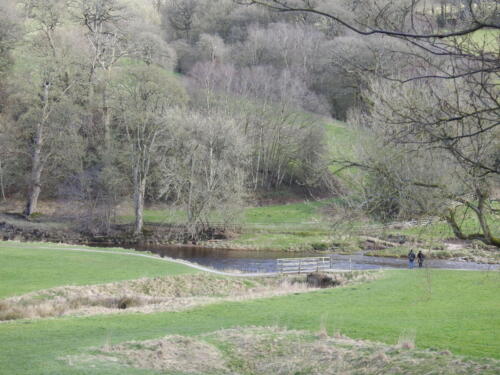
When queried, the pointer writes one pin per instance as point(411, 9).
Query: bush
point(320, 246)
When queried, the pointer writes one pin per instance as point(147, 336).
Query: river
point(265, 261)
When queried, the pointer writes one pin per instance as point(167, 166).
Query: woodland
point(206, 106)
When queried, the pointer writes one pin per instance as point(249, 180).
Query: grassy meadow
point(455, 311)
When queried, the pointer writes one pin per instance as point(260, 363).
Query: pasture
point(438, 309)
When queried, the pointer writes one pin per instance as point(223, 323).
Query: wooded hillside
point(205, 104)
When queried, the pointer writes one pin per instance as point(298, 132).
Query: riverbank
point(294, 229)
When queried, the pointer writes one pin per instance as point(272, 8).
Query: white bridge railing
point(299, 265)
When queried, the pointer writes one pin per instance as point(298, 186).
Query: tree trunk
point(190, 196)
point(2, 188)
point(106, 114)
point(485, 236)
point(450, 218)
point(36, 173)
point(139, 192)
point(483, 222)
point(34, 187)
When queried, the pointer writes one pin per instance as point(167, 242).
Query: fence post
point(331, 261)
point(300, 264)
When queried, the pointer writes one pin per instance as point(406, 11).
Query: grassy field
point(292, 213)
point(28, 267)
point(452, 310)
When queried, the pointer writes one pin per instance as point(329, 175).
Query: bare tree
point(447, 99)
point(438, 53)
point(9, 35)
point(211, 48)
point(107, 44)
point(145, 96)
point(207, 172)
point(46, 90)
point(390, 17)
point(179, 16)
point(146, 45)
point(441, 180)
point(266, 103)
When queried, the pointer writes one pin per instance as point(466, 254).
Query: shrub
point(319, 246)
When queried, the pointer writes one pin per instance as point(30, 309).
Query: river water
point(265, 261)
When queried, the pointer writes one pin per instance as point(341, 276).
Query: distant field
point(292, 213)
point(26, 267)
point(453, 310)
point(304, 226)
point(303, 212)
point(293, 226)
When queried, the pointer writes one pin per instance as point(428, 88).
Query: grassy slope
point(28, 267)
point(293, 213)
point(447, 309)
point(340, 142)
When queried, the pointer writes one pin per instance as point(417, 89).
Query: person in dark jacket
point(420, 257)
point(411, 258)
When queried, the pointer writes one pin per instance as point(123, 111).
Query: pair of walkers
point(411, 259)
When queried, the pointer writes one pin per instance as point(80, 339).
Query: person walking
point(411, 258)
point(420, 257)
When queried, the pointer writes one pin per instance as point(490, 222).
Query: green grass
point(339, 137)
point(307, 212)
point(29, 267)
point(293, 241)
point(454, 310)
point(293, 213)
point(341, 141)
point(294, 226)
point(466, 219)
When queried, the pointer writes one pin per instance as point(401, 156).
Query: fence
point(299, 265)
